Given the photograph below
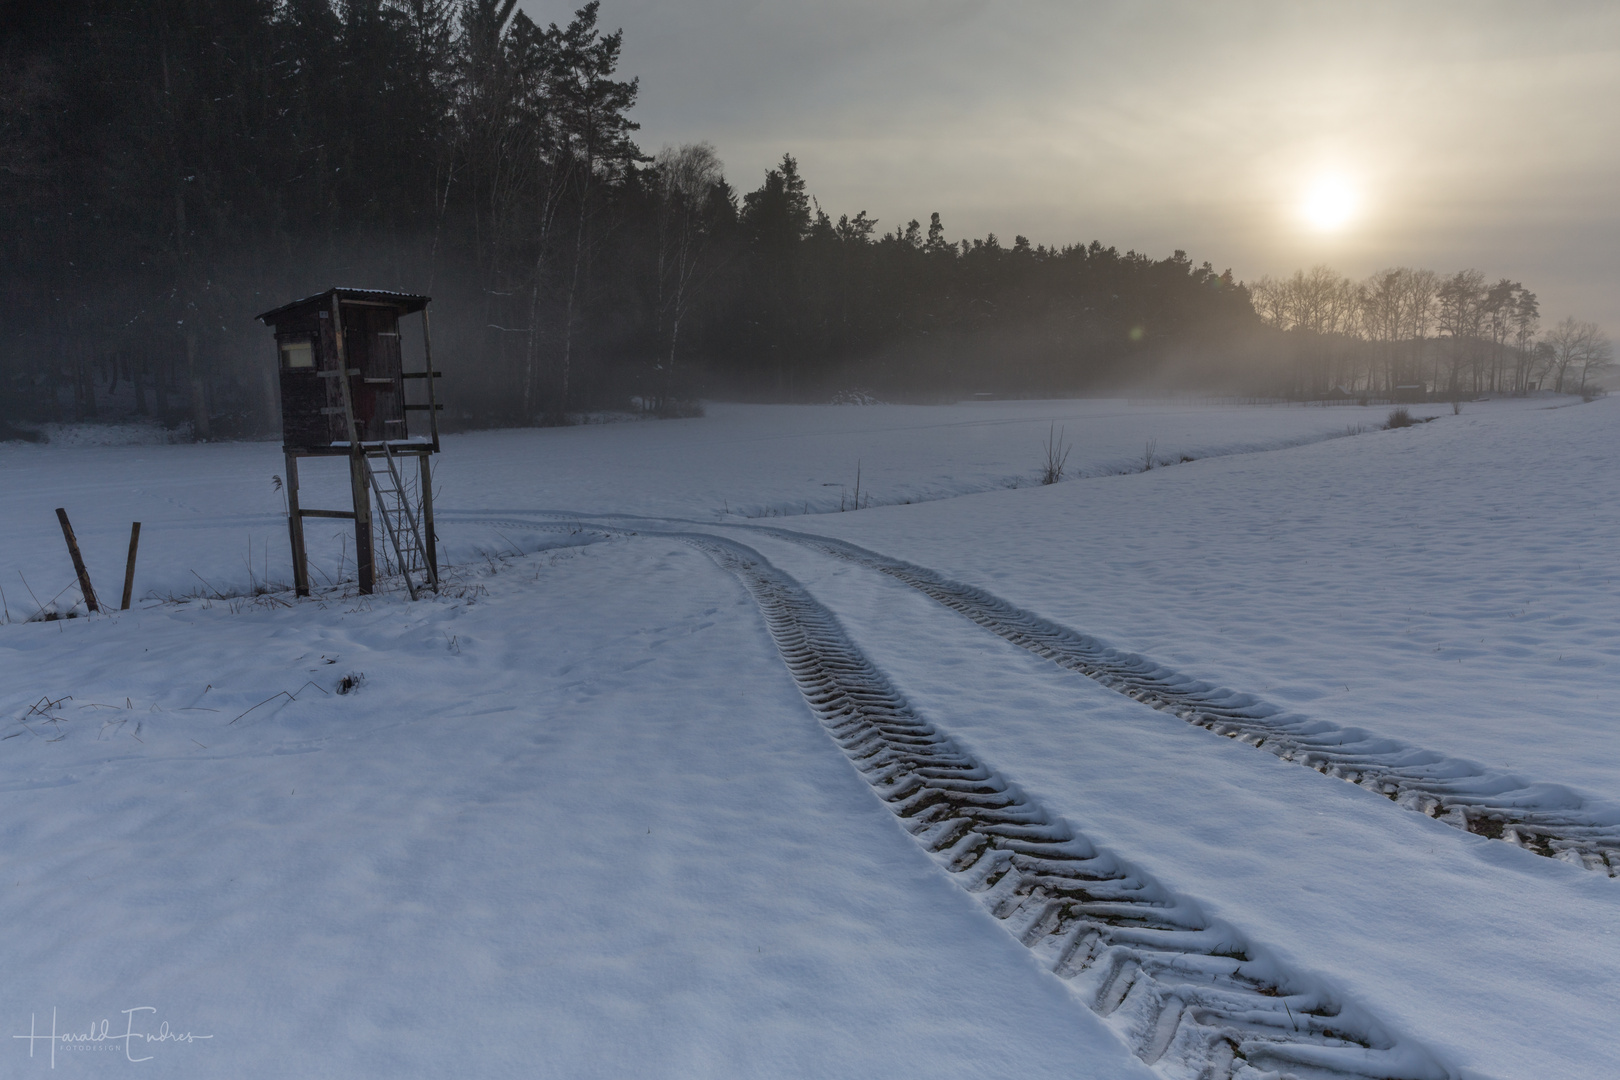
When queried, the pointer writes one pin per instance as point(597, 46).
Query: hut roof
point(408, 303)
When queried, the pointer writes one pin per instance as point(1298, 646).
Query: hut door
point(371, 340)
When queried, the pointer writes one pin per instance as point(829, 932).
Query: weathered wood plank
point(78, 561)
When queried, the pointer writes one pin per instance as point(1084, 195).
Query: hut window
point(297, 354)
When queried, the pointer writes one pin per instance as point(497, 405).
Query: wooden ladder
point(399, 522)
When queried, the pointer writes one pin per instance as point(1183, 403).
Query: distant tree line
point(1405, 328)
point(173, 167)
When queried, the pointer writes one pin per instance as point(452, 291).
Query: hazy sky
point(1482, 134)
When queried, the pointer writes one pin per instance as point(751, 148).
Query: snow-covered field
point(578, 818)
point(205, 509)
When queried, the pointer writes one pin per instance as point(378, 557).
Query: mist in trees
point(1454, 336)
point(174, 167)
point(1573, 353)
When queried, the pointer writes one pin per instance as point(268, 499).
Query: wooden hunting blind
point(344, 395)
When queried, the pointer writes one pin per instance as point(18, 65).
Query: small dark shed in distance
point(343, 394)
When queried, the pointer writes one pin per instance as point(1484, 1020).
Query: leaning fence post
point(129, 567)
point(78, 561)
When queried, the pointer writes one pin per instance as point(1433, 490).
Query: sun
point(1329, 204)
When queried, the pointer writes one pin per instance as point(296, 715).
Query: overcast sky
point(1483, 134)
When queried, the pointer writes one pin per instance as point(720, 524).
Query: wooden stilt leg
point(363, 553)
point(295, 530)
point(430, 542)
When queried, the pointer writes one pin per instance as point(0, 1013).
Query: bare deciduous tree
point(1574, 346)
point(1324, 308)
point(691, 183)
point(1459, 313)
point(1383, 298)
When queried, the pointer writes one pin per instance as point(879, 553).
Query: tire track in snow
point(1546, 819)
point(1187, 993)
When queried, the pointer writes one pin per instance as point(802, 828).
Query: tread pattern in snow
point(1542, 818)
point(1186, 993)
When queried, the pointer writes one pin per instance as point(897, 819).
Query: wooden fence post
point(78, 561)
point(129, 567)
